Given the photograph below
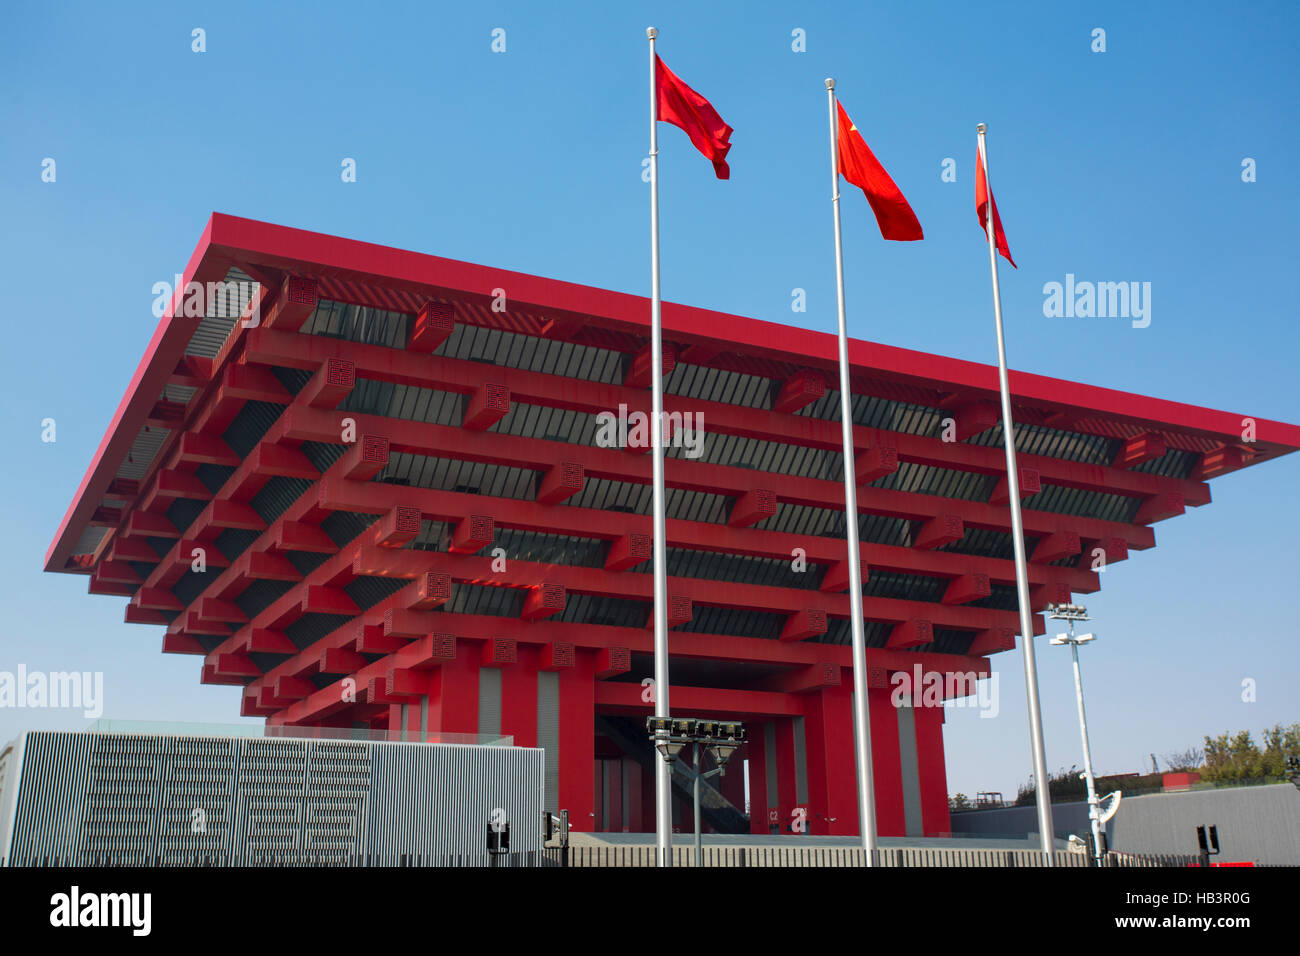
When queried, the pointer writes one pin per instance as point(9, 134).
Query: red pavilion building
point(366, 486)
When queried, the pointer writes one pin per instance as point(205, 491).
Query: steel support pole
point(861, 714)
point(1094, 809)
point(1044, 798)
point(663, 771)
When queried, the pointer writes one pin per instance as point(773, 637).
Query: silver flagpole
point(861, 715)
point(663, 771)
point(1044, 798)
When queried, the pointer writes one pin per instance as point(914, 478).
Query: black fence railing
point(635, 856)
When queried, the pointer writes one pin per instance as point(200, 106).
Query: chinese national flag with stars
point(860, 167)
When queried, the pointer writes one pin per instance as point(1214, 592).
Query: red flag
point(982, 195)
point(859, 166)
point(684, 108)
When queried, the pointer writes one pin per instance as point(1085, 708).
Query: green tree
point(1235, 757)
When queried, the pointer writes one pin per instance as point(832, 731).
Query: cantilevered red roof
point(352, 271)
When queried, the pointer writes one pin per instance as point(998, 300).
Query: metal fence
point(642, 856)
point(766, 856)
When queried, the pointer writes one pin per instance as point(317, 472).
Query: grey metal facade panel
point(221, 313)
point(552, 548)
point(942, 482)
point(739, 568)
point(489, 700)
point(1174, 463)
point(552, 424)
point(484, 599)
point(358, 323)
point(368, 591)
point(606, 767)
point(800, 762)
point(710, 619)
point(448, 793)
point(550, 356)
point(142, 452)
point(1256, 824)
point(624, 769)
point(11, 762)
point(248, 427)
point(450, 474)
point(769, 757)
point(176, 800)
point(910, 770)
point(1052, 443)
point(719, 385)
point(548, 733)
point(408, 402)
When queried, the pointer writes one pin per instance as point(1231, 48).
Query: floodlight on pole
point(717, 738)
point(1072, 613)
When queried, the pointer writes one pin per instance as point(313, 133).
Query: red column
point(578, 740)
point(519, 697)
point(453, 695)
point(930, 766)
point(885, 764)
point(832, 781)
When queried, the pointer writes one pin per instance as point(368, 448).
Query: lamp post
point(1072, 613)
point(719, 738)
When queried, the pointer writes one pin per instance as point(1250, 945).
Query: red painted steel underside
point(424, 654)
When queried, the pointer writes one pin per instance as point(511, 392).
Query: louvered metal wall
point(548, 731)
point(139, 799)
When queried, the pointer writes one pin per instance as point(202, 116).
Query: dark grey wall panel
point(489, 701)
point(548, 732)
point(769, 755)
point(1261, 824)
point(800, 763)
point(1257, 824)
point(911, 772)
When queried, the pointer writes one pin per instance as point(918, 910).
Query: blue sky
point(1115, 166)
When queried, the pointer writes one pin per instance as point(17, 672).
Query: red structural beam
point(553, 391)
point(470, 628)
point(265, 250)
point(474, 569)
point(302, 424)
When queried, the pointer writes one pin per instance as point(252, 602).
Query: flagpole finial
point(982, 128)
point(651, 32)
point(830, 82)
